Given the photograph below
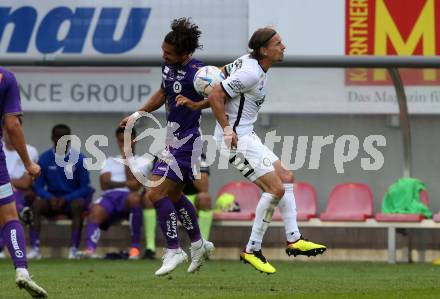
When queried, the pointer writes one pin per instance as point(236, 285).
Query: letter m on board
point(407, 30)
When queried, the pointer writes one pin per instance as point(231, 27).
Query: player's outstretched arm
point(217, 100)
point(203, 104)
point(154, 102)
point(184, 101)
point(23, 183)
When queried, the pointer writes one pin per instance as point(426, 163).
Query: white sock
point(287, 208)
point(23, 271)
point(174, 250)
point(263, 216)
point(197, 244)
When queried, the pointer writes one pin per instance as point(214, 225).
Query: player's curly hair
point(259, 39)
point(184, 36)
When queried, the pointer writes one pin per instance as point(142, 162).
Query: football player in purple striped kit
point(11, 228)
point(183, 147)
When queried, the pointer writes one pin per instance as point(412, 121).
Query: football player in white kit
point(235, 103)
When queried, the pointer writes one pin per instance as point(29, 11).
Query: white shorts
point(252, 158)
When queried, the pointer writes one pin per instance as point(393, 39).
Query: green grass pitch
point(89, 279)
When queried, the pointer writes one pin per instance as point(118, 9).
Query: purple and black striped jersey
point(178, 79)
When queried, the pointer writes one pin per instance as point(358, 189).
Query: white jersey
point(245, 85)
point(14, 164)
point(115, 166)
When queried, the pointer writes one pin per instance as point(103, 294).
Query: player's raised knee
point(287, 177)
point(277, 190)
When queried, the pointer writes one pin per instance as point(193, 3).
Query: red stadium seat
point(436, 217)
point(306, 202)
point(246, 194)
point(424, 198)
point(383, 217)
point(349, 202)
point(398, 217)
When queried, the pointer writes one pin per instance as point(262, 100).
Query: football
point(206, 78)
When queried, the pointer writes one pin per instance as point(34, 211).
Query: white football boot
point(24, 281)
point(199, 255)
point(73, 253)
point(171, 259)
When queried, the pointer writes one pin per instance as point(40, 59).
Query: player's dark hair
point(61, 127)
point(259, 39)
point(184, 36)
point(120, 130)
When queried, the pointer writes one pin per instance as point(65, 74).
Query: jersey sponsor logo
point(170, 76)
point(235, 85)
point(172, 226)
point(186, 219)
point(238, 64)
point(260, 102)
point(18, 253)
point(180, 75)
point(266, 162)
point(241, 164)
point(392, 27)
point(96, 236)
point(46, 28)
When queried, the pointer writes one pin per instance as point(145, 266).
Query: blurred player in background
point(58, 194)
point(150, 224)
point(175, 166)
point(120, 198)
point(235, 103)
point(12, 231)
